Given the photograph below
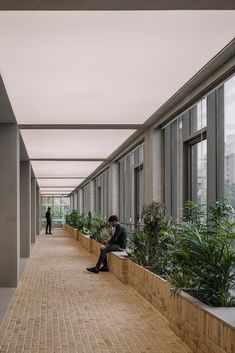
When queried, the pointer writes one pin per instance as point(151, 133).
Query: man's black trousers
point(48, 227)
point(104, 251)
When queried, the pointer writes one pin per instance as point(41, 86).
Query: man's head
point(49, 208)
point(113, 220)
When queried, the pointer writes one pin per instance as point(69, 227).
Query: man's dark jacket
point(119, 237)
point(48, 216)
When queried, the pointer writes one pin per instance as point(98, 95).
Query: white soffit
point(56, 189)
point(63, 169)
point(104, 66)
point(73, 143)
point(54, 193)
point(58, 182)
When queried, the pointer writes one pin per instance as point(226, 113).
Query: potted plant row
point(194, 256)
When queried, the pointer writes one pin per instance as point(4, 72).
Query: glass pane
point(229, 139)
point(199, 172)
point(56, 200)
point(179, 167)
point(198, 116)
point(60, 206)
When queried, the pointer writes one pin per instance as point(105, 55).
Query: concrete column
point(81, 200)
point(38, 211)
point(25, 209)
point(154, 166)
point(33, 210)
point(77, 205)
point(92, 196)
point(75, 201)
point(71, 203)
point(113, 189)
point(9, 205)
point(158, 165)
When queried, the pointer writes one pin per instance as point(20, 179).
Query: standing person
point(116, 243)
point(48, 217)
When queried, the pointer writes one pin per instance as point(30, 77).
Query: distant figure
point(116, 243)
point(48, 217)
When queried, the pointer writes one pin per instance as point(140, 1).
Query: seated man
point(116, 243)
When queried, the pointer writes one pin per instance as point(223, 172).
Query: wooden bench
point(118, 264)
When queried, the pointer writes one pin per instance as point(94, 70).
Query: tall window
point(139, 195)
point(60, 206)
point(198, 172)
point(131, 188)
point(229, 140)
point(186, 159)
point(101, 194)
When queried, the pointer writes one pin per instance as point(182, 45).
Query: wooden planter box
point(69, 228)
point(95, 247)
point(75, 233)
point(189, 319)
point(118, 265)
point(152, 287)
point(201, 330)
point(85, 241)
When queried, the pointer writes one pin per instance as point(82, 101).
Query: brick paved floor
point(59, 307)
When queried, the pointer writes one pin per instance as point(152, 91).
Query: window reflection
point(229, 140)
point(199, 173)
point(199, 116)
point(60, 206)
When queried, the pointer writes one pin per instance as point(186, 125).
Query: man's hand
point(105, 242)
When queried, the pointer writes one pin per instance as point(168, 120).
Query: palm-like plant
point(97, 227)
point(150, 247)
point(204, 258)
point(138, 250)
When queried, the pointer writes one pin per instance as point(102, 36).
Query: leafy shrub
point(98, 229)
point(150, 247)
point(88, 224)
point(138, 250)
point(103, 235)
point(203, 257)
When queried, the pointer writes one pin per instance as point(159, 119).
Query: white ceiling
point(95, 67)
point(103, 67)
point(73, 143)
point(59, 182)
point(67, 190)
point(63, 169)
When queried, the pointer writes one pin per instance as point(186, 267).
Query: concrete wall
point(33, 210)
point(9, 205)
point(25, 209)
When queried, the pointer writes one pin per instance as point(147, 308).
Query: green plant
point(150, 247)
point(104, 234)
point(195, 214)
point(153, 216)
point(219, 219)
point(203, 257)
point(98, 228)
point(138, 250)
point(84, 223)
point(163, 264)
point(74, 218)
point(68, 219)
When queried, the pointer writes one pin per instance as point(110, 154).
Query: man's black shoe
point(93, 269)
point(104, 269)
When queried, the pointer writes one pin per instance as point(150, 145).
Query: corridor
point(59, 307)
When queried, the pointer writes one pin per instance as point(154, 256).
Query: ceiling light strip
point(65, 177)
point(79, 126)
point(68, 159)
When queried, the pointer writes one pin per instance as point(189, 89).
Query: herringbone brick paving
point(59, 307)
